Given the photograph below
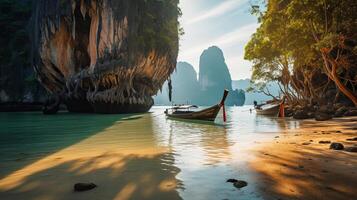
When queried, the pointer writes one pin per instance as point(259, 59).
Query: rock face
point(184, 83)
point(186, 89)
point(105, 56)
point(214, 77)
point(19, 90)
point(250, 97)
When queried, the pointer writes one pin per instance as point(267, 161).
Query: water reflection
point(208, 154)
point(143, 156)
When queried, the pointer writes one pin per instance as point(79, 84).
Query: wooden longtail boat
point(269, 108)
point(208, 114)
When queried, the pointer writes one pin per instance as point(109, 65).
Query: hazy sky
point(224, 23)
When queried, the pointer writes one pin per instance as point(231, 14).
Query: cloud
point(238, 67)
point(221, 9)
point(238, 36)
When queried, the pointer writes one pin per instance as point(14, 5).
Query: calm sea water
point(191, 160)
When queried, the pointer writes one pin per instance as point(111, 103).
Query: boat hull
point(270, 111)
point(208, 114)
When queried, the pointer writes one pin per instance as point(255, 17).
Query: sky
point(227, 24)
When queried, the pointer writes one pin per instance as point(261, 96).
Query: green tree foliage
point(14, 17)
point(159, 25)
point(16, 73)
point(308, 47)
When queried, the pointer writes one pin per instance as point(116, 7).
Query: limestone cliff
point(214, 77)
point(187, 89)
point(18, 86)
point(106, 56)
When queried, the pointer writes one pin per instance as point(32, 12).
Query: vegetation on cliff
point(149, 37)
point(309, 47)
point(17, 80)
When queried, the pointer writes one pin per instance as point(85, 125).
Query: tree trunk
point(332, 73)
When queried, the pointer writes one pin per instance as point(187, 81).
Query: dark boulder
point(301, 114)
point(80, 187)
point(337, 146)
point(351, 112)
point(341, 111)
point(288, 112)
point(328, 109)
point(320, 116)
point(52, 105)
point(240, 184)
point(237, 183)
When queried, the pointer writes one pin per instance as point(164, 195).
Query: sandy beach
point(296, 166)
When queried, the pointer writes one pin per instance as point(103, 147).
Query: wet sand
point(295, 166)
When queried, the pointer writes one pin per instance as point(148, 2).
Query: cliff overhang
point(105, 56)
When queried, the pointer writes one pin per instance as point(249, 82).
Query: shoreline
point(294, 165)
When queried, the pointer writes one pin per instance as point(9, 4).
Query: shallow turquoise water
point(200, 157)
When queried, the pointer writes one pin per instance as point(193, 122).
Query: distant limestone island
point(250, 97)
point(213, 78)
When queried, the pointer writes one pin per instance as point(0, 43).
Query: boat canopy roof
point(184, 107)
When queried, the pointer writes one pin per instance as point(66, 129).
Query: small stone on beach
point(80, 187)
point(324, 142)
point(351, 149)
point(238, 183)
point(352, 139)
point(337, 146)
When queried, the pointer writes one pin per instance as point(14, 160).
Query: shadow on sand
point(27, 137)
point(58, 151)
point(287, 169)
point(117, 176)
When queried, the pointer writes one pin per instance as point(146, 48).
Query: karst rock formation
point(105, 56)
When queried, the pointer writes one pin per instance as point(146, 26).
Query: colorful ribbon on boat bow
point(224, 113)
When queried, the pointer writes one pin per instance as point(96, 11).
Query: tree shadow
point(28, 137)
point(118, 176)
point(294, 171)
point(119, 153)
